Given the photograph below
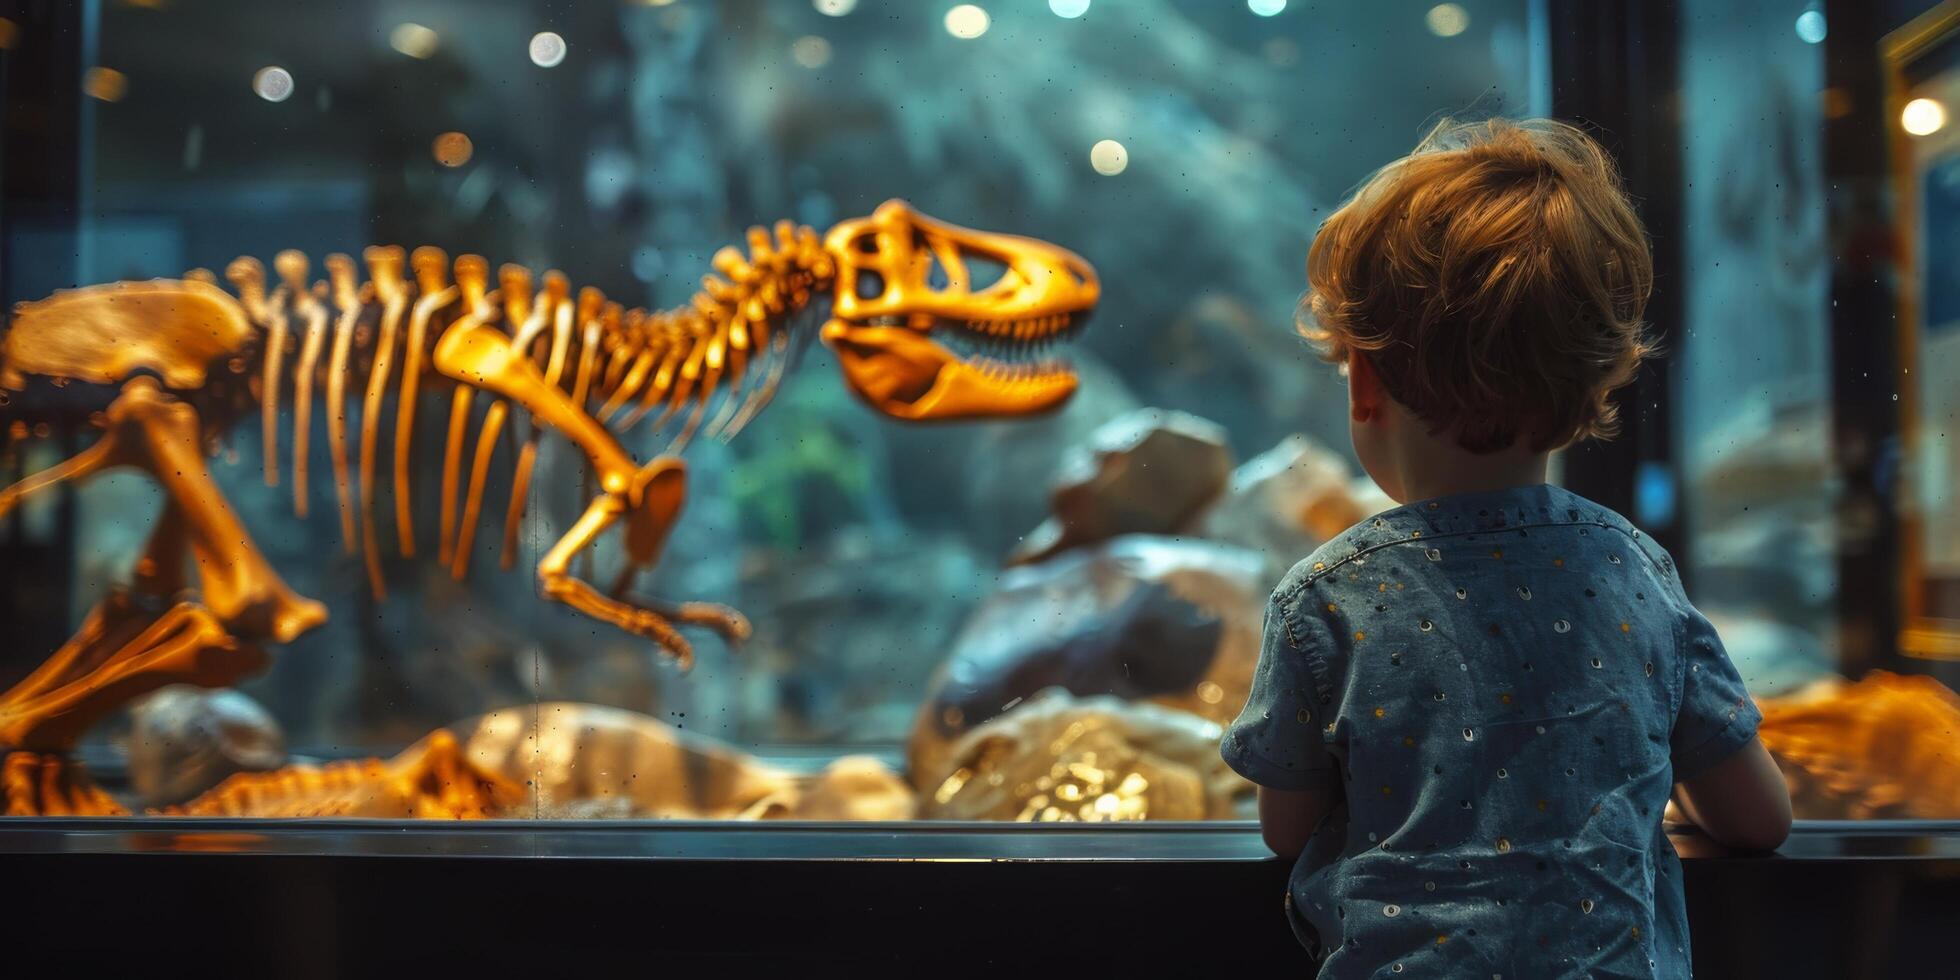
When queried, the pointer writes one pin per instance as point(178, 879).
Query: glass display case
point(714, 411)
point(936, 596)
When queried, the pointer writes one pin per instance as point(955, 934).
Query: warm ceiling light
point(1265, 8)
point(413, 40)
point(1109, 158)
point(834, 8)
point(967, 21)
point(547, 49)
point(106, 84)
point(273, 83)
point(453, 149)
point(1923, 117)
point(1447, 19)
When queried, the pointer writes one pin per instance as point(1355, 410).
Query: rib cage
point(715, 361)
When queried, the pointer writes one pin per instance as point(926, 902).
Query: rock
point(1287, 501)
point(184, 740)
point(1092, 759)
point(1148, 472)
point(1004, 469)
point(1172, 621)
point(591, 761)
point(855, 787)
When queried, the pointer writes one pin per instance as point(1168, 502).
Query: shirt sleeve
point(1717, 716)
point(1276, 740)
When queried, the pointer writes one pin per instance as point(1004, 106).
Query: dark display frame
point(305, 899)
point(302, 898)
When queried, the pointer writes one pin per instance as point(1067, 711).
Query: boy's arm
point(1740, 802)
point(1276, 742)
point(1725, 780)
point(1288, 818)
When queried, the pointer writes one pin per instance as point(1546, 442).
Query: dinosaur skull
point(934, 321)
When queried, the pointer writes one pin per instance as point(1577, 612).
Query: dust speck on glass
point(1539, 827)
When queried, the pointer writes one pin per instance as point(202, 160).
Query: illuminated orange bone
point(905, 301)
point(886, 306)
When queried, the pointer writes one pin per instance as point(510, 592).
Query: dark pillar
point(1864, 336)
point(44, 168)
point(1614, 71)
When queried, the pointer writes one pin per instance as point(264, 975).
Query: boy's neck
point(1427, 469)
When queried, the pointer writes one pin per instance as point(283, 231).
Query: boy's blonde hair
point(1495, 278)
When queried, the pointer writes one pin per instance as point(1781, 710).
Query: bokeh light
point(8, 32)
point(547, 49)
point(1923, 117)
point(106, 84)
point(413, 40)
point(834, 8)
point(1069, 8)
point(967, 21)
point(1109, 158)
point(453, 149)
point(810, 51)
point(1811, 27)
point(1447, 19)
point(273, 83)
point(1265, 8)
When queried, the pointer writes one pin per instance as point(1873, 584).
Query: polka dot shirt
point(1508, 684)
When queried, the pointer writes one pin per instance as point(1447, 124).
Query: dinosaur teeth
point(1011, 351)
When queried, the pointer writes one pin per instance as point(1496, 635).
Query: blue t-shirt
point(1509, 685)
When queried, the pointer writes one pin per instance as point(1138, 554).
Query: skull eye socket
point(866, 244)
point(983, 272)
point(870, 285)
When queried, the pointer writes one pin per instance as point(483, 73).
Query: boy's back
point(1510, 683)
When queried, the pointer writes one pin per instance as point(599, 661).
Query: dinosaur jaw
point(946, 370)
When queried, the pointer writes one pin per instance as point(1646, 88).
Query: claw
point(655, 627)
point(734, 627)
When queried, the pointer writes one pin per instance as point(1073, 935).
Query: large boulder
point(1061, 758)
point(1171, 621)
point(1151, 471)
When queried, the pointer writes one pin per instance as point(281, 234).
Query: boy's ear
point(1365, 391)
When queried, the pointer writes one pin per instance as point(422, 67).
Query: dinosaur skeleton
point(918, 331)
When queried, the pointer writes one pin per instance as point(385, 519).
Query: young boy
point(1471, 711)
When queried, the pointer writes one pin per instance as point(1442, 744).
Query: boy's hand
point(1287, 818)
point(1741, 801)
